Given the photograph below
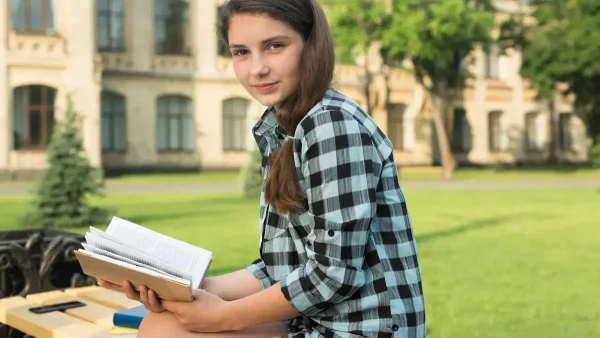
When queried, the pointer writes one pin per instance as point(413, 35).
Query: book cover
point(130, 318)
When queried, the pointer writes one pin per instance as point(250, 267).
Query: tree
point(355, 25)
point(437, 37)
point(60, 195)
point(559, 47)
point(251, 175)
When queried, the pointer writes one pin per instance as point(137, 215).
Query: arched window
point(234, 123)
point(114, 122)
point(175, 125)
point(397, 126)
point(534, 132)
point(495, 131)
point(172, 27)
point(33, 108)
point(32, 16)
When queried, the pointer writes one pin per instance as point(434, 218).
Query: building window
point(234, 124)
point(532, 132)
point(565, 134)
point(492, 62)
point(33, 108)
point(175, 123)
point(32, 16)
point(396, 121)
point(495, 130)
point(114, 123)
point(110, 30)
point(460, 131)
point(172, 27)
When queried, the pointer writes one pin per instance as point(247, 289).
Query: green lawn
point(496, 264)
point(406, 174)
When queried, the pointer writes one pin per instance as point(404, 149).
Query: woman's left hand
point(206, 313)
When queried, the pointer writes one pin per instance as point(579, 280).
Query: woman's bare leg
point(164, 324)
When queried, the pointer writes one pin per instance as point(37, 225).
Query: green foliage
point(562, 45)
point(60, 195)
point(251, 175)
point(437, 36)
point(354, 25)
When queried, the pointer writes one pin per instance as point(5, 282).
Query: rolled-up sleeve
point(337, 163)
point(259, 270)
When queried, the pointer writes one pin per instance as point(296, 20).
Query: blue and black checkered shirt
point(348, 262)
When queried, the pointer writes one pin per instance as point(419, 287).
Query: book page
point(106, 242)
point(91, 249)
point(179, 254)
point(135, 267)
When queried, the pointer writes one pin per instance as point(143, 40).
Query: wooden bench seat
point(93, 320)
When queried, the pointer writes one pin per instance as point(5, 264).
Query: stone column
point(82, 81)
point(5, 109)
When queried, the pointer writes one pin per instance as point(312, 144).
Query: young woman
point(338, 256)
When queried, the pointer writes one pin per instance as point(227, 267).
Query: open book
point(127, 251)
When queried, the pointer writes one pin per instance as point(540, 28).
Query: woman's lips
point(265, 87)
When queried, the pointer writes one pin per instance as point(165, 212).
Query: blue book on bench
point(130, 318)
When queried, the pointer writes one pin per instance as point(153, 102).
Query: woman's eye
point(240, 52)
point(276, 45)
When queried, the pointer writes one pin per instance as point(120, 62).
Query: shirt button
point(330, 233)
point(395, 327)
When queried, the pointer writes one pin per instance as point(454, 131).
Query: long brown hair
point(316, 74)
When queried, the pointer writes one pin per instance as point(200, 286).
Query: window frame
point(493, 116)
point(182, 116)
point(228, 118)
point(47, 8)
point(186, 27)
point(113, 115)
point(397, 119)
point(45, 108)
point(111, 15)
point(565, 138)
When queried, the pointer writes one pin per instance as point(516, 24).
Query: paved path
point(16, 189)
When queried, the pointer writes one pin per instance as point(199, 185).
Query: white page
point(179, 254)
point(103, 241)
point(102, 252)
point(135, 267)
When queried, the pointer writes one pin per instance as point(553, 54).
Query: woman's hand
point(145, 296)
point(206, 313)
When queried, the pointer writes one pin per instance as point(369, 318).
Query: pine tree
point(60, 194)
point(251, 175)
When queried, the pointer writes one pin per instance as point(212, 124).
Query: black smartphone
point(56, 307)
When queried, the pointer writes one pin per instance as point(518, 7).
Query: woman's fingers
point(149, 299)
point(108, 285)
point(130, 292)
point(155, 304)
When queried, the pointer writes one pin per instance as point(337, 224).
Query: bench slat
point(94, 313)
point(52, 324)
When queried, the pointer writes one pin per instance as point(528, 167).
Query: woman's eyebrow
point(264, 42)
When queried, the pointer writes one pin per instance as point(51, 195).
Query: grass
point(495, 264)
point(406, 174)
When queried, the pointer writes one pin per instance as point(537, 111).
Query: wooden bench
point(93, 320)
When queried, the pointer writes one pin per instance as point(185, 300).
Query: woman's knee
point(162, 324)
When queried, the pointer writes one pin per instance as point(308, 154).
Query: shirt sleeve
point(259, 270)
point(338, 169)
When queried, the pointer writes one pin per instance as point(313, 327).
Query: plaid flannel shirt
point(348, 262)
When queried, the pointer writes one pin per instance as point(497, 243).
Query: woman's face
point(266, 57)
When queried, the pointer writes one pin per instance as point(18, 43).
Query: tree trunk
point(448, 162)
point(552, 133)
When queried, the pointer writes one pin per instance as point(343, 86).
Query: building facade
point(157, 91)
